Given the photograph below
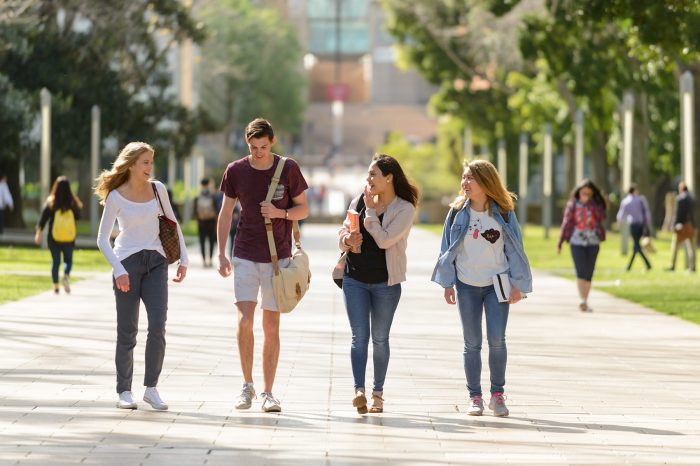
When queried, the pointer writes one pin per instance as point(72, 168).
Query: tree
point(252, 67)
point(106, 53)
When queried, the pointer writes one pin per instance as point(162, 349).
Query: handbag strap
point(153, 185)
point(268, 222)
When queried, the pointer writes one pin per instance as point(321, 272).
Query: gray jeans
point(148, 281)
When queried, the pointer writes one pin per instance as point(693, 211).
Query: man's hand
point(270, 211)
point(122, 282)
point(224, 266)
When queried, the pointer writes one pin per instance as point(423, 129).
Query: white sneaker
point(152, 397)
point(66, 283)
point(476, 406)
point(270, 403)
point(245, 401)
point(126, 401)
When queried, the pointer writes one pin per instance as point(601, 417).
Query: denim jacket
point(445, 273)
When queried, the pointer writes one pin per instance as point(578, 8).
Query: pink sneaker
point(498, 405)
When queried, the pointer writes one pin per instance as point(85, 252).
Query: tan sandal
point(377, 404)
point(360, 402)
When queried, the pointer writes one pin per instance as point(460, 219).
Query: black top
point(369, 266)
point(685, 209)
point(47, 216)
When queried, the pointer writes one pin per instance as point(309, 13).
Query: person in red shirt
point(583, 226)
point(247, 181)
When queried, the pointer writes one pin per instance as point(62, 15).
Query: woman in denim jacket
point(482, 239)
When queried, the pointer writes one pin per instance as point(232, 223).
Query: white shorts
point(250, 277)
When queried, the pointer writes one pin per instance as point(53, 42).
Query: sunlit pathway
point(619, 386)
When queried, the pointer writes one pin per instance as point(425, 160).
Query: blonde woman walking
point(482, 255)
point(139, 265)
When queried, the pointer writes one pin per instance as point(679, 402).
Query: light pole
point(45, 168)
point(522, 179)
point(94, 162)
point(578, 170)
point(687, 122)
point(627, 129)
point(547, 182)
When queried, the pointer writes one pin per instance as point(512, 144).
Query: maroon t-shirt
point(249, 186)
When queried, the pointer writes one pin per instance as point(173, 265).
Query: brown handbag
point(169, 237)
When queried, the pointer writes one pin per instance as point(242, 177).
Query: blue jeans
point(472, 300)
point(370, 305)
point(56, 250)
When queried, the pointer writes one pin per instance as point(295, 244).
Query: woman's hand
point(181, 273)
point(559, 249)
point(369, 199)
point(122, 282)
point(450, 296)
point(37, 238)
point(354, 239)
point(515, 296)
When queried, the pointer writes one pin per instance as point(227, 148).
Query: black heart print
point(491, 235)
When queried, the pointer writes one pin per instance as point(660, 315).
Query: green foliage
point(110, 54)
point(566, 55)
point(435, 176)
point(252, 67)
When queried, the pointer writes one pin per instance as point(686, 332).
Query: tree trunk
point(695, 69)
point(599, 161)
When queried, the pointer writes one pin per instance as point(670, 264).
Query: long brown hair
point(119, 174)
point(61, 196)
point(486, 175)
point(402, 186)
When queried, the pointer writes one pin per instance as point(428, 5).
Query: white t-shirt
point(138, 228)
point(482, 253)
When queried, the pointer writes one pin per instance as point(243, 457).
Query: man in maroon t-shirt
point(247, 180)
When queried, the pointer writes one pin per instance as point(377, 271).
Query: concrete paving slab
point(618, 386)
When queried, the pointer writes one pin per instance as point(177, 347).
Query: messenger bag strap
point(268, 223)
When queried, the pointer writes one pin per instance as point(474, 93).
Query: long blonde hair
point(486, 175)
point(119, 174)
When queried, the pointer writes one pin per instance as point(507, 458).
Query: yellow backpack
point(63, 230)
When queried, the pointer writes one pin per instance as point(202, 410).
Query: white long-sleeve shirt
point(138, 228)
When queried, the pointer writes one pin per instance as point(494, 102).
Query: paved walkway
point(619, 386)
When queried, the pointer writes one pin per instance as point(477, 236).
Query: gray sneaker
point(270, 403)
point(245, 401)
point(498, 405)
point(476, 406)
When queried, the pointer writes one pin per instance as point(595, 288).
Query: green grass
point(673, 293)
point(38, 263)
point(28, 259)
point(16, 287)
